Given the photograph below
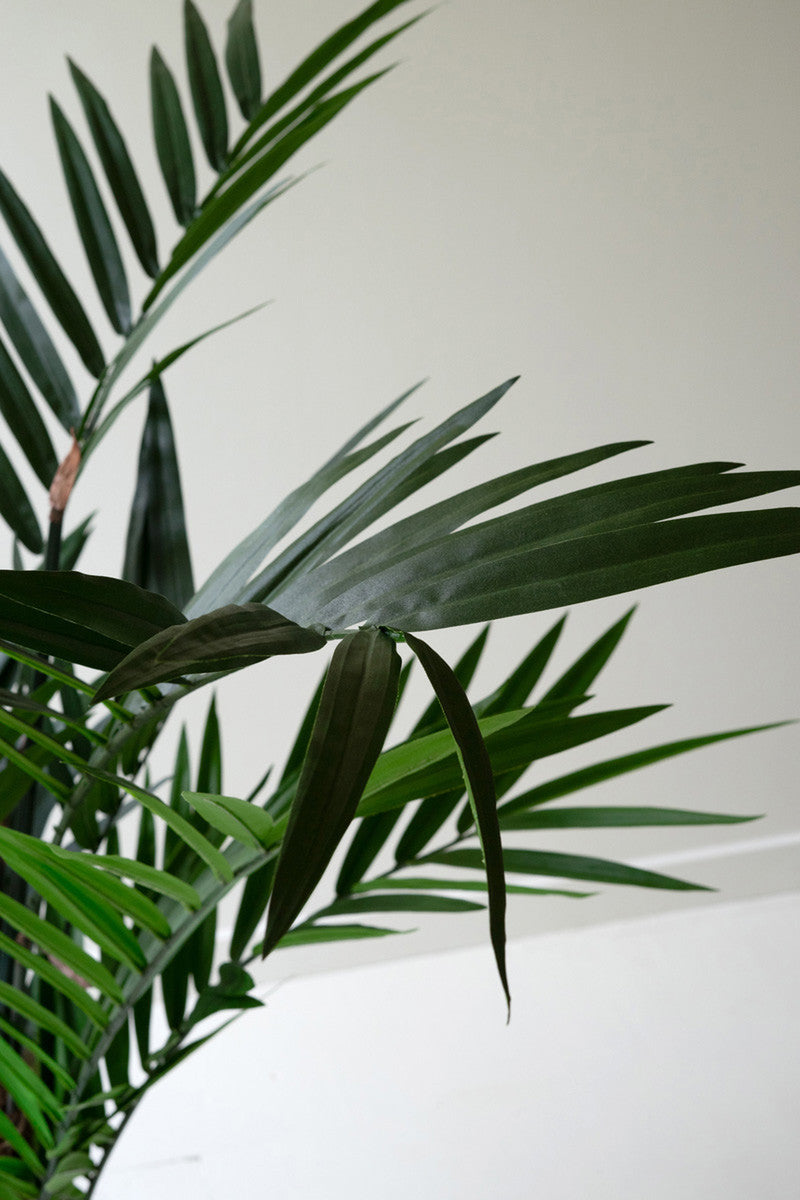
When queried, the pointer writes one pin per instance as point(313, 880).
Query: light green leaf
point(247, 823)
point(93, 224)
point(21, 1003)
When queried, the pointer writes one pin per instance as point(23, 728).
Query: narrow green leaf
point(236, 569)
point(104, 885)
point(55, 287)
point(72, 1166)
point(146, 857)
point(16, 509)
point(228, 639)
point(353, 718)
point(313, 935)
point(93, 224)
point(119, 170)
point(22, 416)
point(40, 1055)
point(19, 1002)
point(569, 866)
point(614, 818)
point(30, 766)
point(458, 885)
point(35, 348)
point(223, 207)
point(478, 775)
point(314, 63)
point(17, 1072)
point(515, 691)
point(157, 548)
point(611, 768)
point(11, 1135)
point(235, 818)
point(89, 619)
point(398, 903)
point(366, 503)
point(147, 875)
point(73, 543)
point(172, 141)
point(206, 87)
point(581, 675)
point(466, 582)
point(241, 59)
point(59, 946)
point(297, 753)
point(57, 979)
point(251, 908)
point(209, 768)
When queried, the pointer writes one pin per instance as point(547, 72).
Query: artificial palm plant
point(111, 882)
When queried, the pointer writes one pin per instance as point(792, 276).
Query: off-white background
point(603, 199)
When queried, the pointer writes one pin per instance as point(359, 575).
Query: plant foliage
point(92, 666)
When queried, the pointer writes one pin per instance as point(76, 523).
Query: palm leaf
point(93, 224)
point(206, 87)
point(35, 347)
point(119, 171)
point(241, 59)
point(568, 866)
point(157, 548)
point(15, 507)
point(55, 287)
point(172, 142)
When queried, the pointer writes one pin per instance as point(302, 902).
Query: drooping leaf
point(88, 619)
point(55, 287)
point(237, 567)
point(228, 639)
point(119, 170)
point(476, 767)
point(354, 714)
point(157, 548)
point(206, 87)
point(241, 59)
point(16, 509)
point(172, 141)
point(94, 227)
point(569, 866)
point(35, 347)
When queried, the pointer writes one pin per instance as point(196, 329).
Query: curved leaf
point(206, 87)
point(569, 866)
point(55, 287)
point(398, 903)
point(241, 59)
point(16, 509)
point(476, 767)
point(228, 639)
point(93, 224)
point(157, 548)
point(172, 141)
point(34, 346)
point(613, 817)
point(119, 170)
point(354, 715)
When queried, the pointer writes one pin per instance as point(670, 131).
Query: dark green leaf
point(354, 715)
point(251, 908)
point(514, 691)
point(206, 87)
point(88, 619)
point(398, 903)
point(57, 979)
point(459, 885)
point(569, 866)
point(611, 768)
point(32, 342)
point(582, 674)
point(16, 509)
point(21, 1003)
point(300, 744)
point(120, 172)
point(72, 545)
point(369, 839)
point(229, 639)
point(476, 767)
point(11, 1135)
point(54, 285)
point(314, 63)
point(312, 935)
point(235, 570)
point(93, 224)
point(241, 59)
point(613, 818)
point(366, 503)
point(172, 141)
point(157, 548)
point(464, 581)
